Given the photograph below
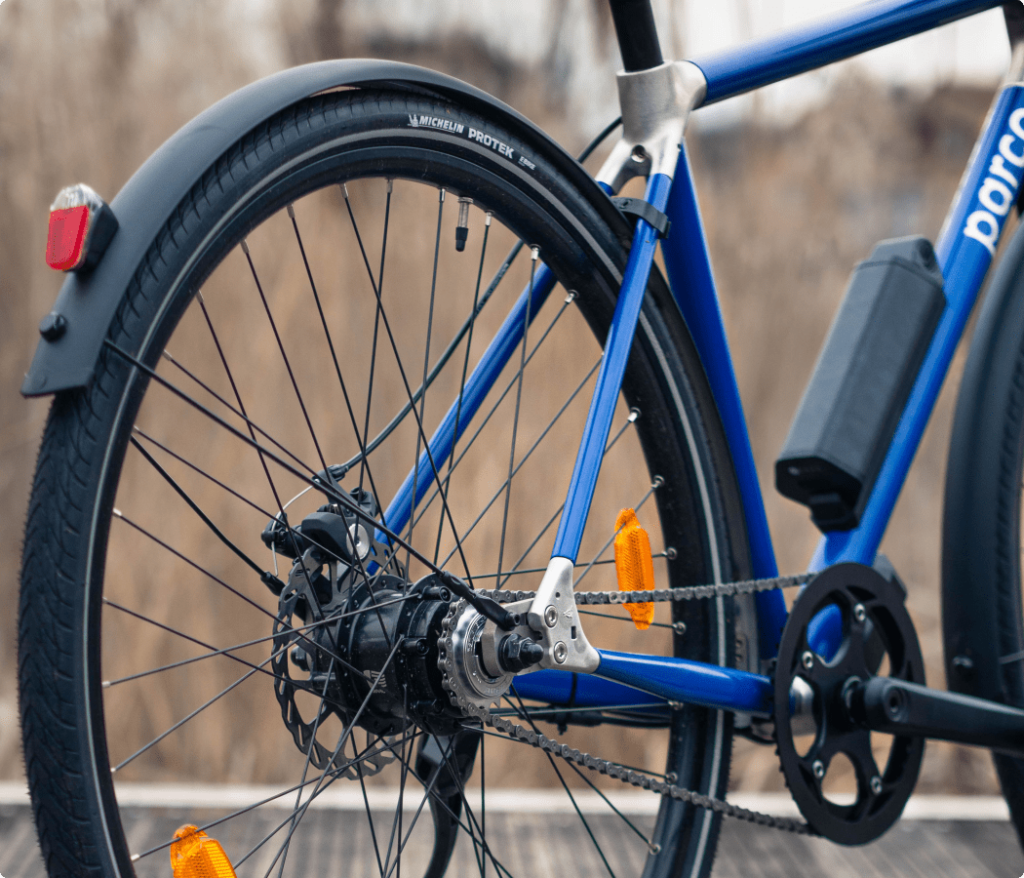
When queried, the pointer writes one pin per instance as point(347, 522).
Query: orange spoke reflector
point(633, 565)
point(195, 855)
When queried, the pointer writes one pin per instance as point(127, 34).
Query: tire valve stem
point(462, 229)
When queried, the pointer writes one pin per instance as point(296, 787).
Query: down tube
point(965, 250)
point(693, 286)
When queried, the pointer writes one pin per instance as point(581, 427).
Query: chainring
point(873, 617)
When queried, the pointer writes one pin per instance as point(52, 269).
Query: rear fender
point(88, 302)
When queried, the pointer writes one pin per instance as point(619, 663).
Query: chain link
point(606, 767)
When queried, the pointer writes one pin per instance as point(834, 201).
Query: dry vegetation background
point(88, 88)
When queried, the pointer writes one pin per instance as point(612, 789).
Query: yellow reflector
point(195, 855)
point(633, 564)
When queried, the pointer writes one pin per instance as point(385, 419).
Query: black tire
point(982, 607)
point(84, 561)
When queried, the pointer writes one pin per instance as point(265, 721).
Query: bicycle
point(405, 574)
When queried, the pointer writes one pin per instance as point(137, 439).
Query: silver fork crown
point(566, 647)
point(656, 104)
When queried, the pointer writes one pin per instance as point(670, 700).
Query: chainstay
point(611, 769)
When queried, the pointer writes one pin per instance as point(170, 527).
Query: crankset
point(814, 701)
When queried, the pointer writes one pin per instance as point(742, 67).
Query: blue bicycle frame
point(965, 250)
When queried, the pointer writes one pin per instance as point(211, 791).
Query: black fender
point(88, 302)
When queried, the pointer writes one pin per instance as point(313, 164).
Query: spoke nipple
point(134, 857)
point(679, 627)
point(442, 196)
point(199, 296)
point(535, 253)
point(876, 785)
point(291, 212)
point(487, 221)
point(344, 190)
point(167, 357)
point(671, 553)
point(658, 482)
point(654, 848)
point(105, 684)
point(672, 777)
point(391, 185)
point(859, 613)
point(807, 659)
point(245, 247)
point(113, 770)
point(634, 413)
point(117, 512)
point(818, 768)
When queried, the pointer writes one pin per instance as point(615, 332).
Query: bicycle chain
point(605, 766)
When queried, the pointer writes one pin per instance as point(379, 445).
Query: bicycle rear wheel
point(308, 314)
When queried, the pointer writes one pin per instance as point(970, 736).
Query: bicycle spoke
point(425, 506)
point(408, 391)
point(535, 255)
point(426, 351)
point(377, 313)
point(217, 532)
point(334, 774)
point(506, 485)
point(193, 714)
point(341, 743)
point(284, 356)
point(657, 483)
point(462, 379)
point(311, 480)
point(305, 766)
point(369, 819)
point(238, 397)
point(118, 514)
point(634, 414)
point(551, 760)
point(468, 830)
point(238, 412)
point(334, 355)
point(227, 650)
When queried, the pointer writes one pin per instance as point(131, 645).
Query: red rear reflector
point(81, 226)
point(65, 243)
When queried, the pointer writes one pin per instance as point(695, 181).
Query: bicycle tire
point(68, 634)
point(982, 604)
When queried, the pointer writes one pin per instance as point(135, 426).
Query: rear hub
point(355, 633)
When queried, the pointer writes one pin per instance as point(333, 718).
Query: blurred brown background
point(89, 88)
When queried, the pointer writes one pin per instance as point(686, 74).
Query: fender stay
point(88, 303)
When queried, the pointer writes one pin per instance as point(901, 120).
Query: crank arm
point(897, 707)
